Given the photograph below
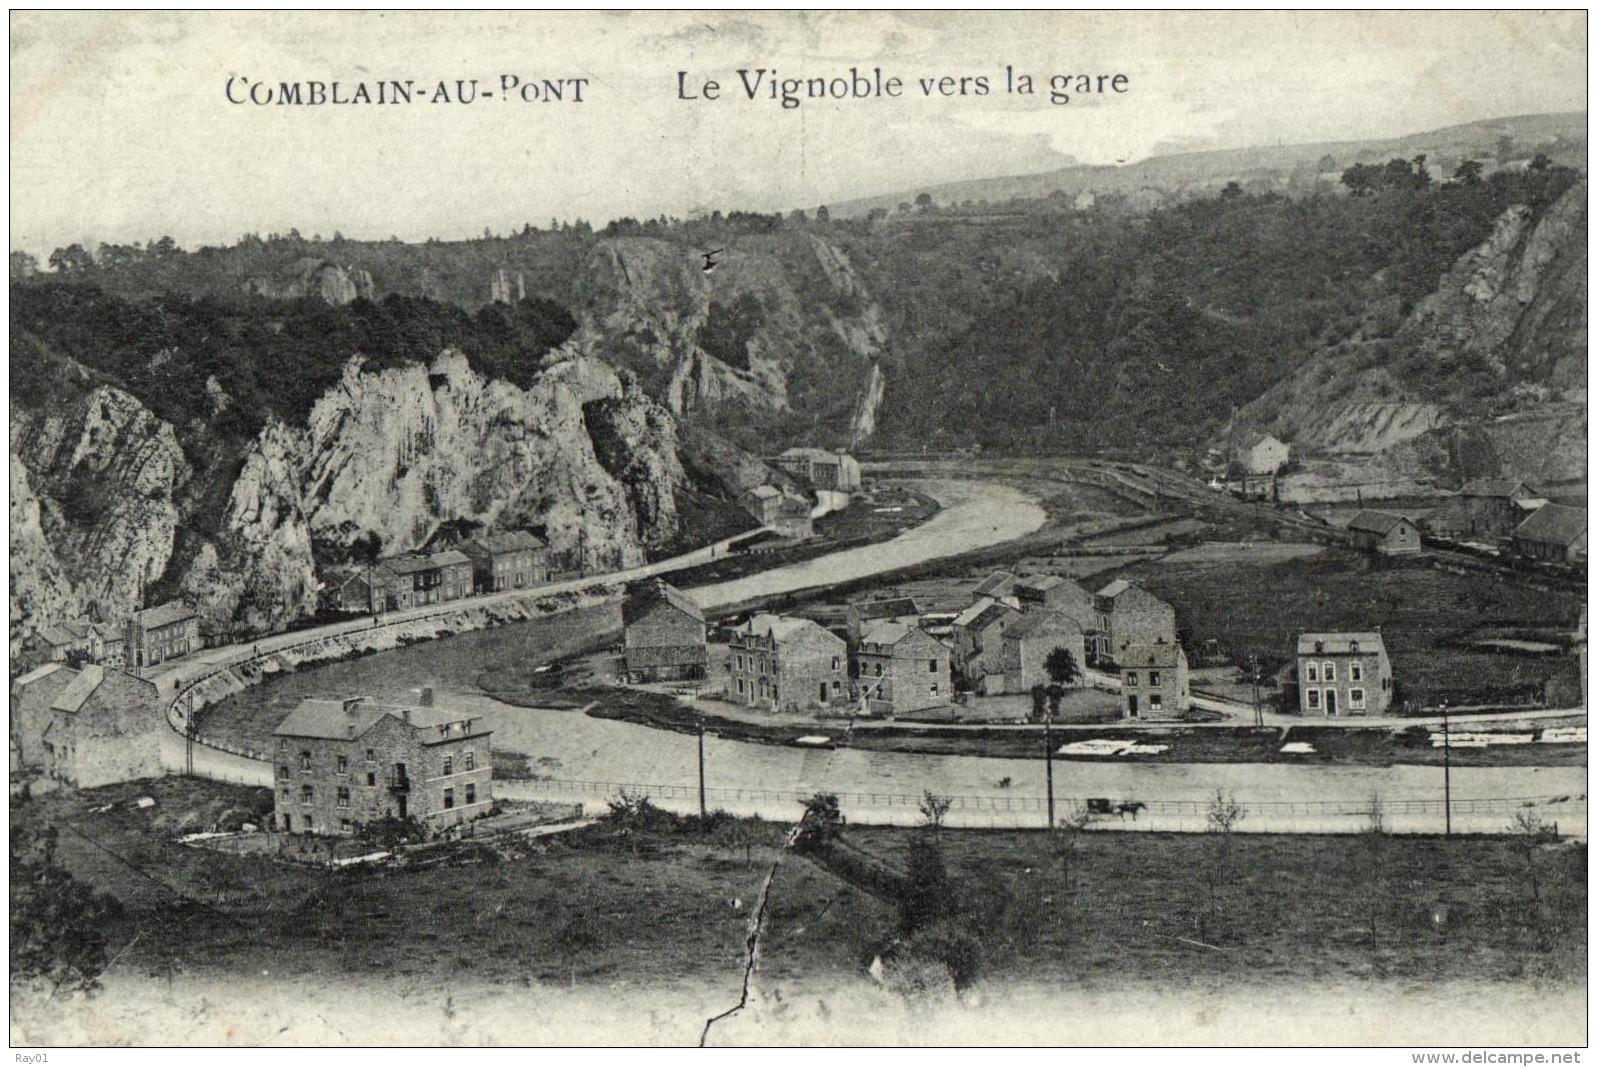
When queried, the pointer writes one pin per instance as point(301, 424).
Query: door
point(1330, 701)
point(1131, 705)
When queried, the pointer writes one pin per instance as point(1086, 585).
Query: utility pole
point(1048, 757)
point(1447, 774)
point(704, 814)
point(1258, 709)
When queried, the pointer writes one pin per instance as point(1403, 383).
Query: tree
point(1468, 172)
point(1224, 815)
point(1540, 162)
point(934, 809)
point(58, 924)
point(1061, 666)
point(923, 201)
point(73, 259)
point(23, 265)
point(821, 823)
point(1232, 191)
point(926, 895)
point(822, 214)
point(578, 936)
point(1505, 149)
point(1039, 702)
point(876, 214)
point(1326, 164)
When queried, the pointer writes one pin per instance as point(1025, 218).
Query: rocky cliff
point(313, 276)
point(1484, 376)
point(102, 512)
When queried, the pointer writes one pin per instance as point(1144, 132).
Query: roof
point(1339, 642)
point(996, 582)
point(410, 564)
point(1377, 522)
point(982, 613)
point(1035, 622)
point(1114, 588)
point(508, 541)
point(39, 673)
point(1494, 487)
point(1145, 656)
point(335, 720)
point(57, 635)
point(1042, 582)
point(1254, 437)
point(644, 595)
point(764, 492)
point(886, 633)
point(173, 611)
point(79, 689)
point(895, 608)
point(1553, 524)
point(778, 626)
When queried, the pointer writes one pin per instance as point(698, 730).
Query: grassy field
point(656, 904)
point(1258, 609)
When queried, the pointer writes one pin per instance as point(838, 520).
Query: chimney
point(351, 703)
point(426, 696)
point(406, 713)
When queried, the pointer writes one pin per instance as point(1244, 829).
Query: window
point(1155, 701)
point(823, 692)
point(371, 777)
point(471, 760)
point(1319, 646)
point(282, 744)
point(773, 690)
point(740, 685)
point(1330, 671)
point(1352, 646)
point(878, 670)
point(304, 760)
point(471, 793)
point(449, 798)
point(934, 689)
point(1314, 673)
point(371, 755)
point(310, 820)
point(1314, 698)
point(449, 765)
point(1131, 677)
point(343, 796)
point(1355, 671)
point(740, 663)
point(283, 771)
point(344, 825)
point(1153, 679)
point(343, 764)
point(837, 663)
point(931, 666)
point(307, 794)
point(1355, 698)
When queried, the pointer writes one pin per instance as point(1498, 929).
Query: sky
point(122, 129)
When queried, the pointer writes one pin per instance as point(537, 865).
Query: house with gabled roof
point(1154, 682)
point(1343, 673)
point(513, 559)
point(901, 669)
point(978, 641)
point(105, 726)
point(350, 761)
point(1485, 510)
point(1384, 532)
point(784, 663)
point(1553, 534)
point(663, 634)
point(1260, 453)
point(158, 634)
point(1030, 640)
point(1127, 615)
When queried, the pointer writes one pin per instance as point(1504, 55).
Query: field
point(645, 904)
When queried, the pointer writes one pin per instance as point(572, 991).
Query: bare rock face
point(106, 473)
point(40, 591)
point(315, 277)
point(259, 573)
point(400, 450)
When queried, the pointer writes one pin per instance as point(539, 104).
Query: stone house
point(1260, 453)
point(105, 726)
point(1384, 532)
point(1553, 534)
point(31, 696)
point(158, 634)
point(787, 664)
point(999, 585)
point(902, 669)
point(1154, 683)
point(1030, 640)
point(77, 637)
point(978, 641)
point(1050, 592)
point(1127, 615)
point(1485, 510)
point(785, 512)
point(821, 468)
point(512, 560)
point(417, 579)
point(341, 763)
point(347, 589)
point(1343, 674)
point(862, 616)
point(664, 638)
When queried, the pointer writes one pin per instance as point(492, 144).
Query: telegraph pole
point(1258, 709)
point(1447, 774)
point(1048, 758)
point(704, 814)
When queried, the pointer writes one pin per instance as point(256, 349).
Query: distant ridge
point(1561, 135)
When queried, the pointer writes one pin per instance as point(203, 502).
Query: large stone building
point(821, 468)
point(664, 638)
point(1030, 640)
point(1127, 615)
point(1050, 592)
point(79, 639)
point(105, 726)
point(862, 616)
point(902, 669)
point(32, 694)
point(785, 512)
point(786, 664)
point(1485, 510)
point(158, 634)
point(1343, 674)
point(511, 560)
point(978, 642)
point(1154, 682)
point(341, 763)
point(417, 579)
point(1384, 532)
point(1553, 534)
